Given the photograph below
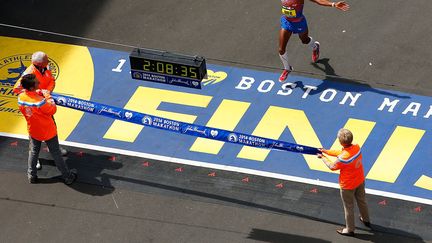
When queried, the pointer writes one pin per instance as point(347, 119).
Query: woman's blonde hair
point(345, 136)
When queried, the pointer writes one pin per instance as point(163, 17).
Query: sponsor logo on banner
point(166, 124)
point(80, 105)
point(214, 133)
point(109, 110)
point(153, 77)
point(195, 129)
point(179, 81)
point(61, 101)
point(299, 148)
point(128, 115)
point(137, 75)
point(277, 145)
point(11, 68)
point(232, 137)
point(214, 77)
point(251, 140)
point(147, 120)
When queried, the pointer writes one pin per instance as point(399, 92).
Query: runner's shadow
point(279, 237)
point(330, 75)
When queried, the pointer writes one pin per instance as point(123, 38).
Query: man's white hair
point(38, 57)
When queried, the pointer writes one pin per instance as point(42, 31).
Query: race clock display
point(169, 68)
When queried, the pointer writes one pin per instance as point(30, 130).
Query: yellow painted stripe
point(424, 182)
point(277, 119)
point(147, 100)
point(395, 154)
point(271, 125)
point(227, 116)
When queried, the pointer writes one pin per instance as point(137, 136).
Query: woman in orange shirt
point(38, 109)
point(351, 179)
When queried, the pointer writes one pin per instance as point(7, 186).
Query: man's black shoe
point(366, 223)
point(32, 179)
point(71, 178)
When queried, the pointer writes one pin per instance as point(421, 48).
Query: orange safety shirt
point(350, 164)
point(46, 80)
point(38, 112)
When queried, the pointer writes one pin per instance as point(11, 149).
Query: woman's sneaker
point(71, 178)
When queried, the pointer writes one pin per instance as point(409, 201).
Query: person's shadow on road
point(92, 177)
point(383, 234)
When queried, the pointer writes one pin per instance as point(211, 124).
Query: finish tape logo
point(11, 69)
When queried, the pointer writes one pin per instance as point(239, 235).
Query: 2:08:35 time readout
point(171, 69)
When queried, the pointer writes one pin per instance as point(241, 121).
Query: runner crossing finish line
point(179, 127)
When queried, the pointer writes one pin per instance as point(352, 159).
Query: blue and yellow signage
point(393, 128)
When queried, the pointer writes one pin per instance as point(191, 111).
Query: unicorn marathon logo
point(11, 68)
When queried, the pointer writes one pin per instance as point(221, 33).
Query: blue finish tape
point(179, 127)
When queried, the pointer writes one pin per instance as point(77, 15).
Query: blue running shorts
point(294, 27)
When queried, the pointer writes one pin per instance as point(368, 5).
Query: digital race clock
point(169, 68)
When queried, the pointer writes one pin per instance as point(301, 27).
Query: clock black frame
point(166, 67)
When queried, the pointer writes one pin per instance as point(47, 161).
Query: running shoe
point(284, 74)
point(316, 52)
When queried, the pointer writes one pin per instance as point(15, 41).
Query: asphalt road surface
point(377, 44)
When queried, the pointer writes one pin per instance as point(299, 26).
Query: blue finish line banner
point(179, 127)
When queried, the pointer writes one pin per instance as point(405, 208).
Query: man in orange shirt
point(39, 67)
point(351, 179)
point(38, 109)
